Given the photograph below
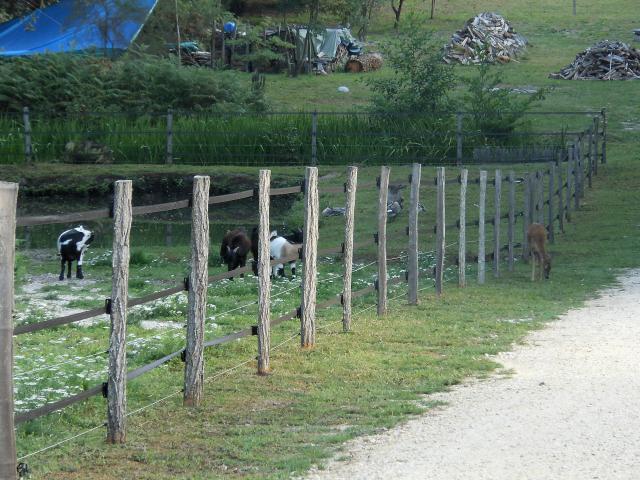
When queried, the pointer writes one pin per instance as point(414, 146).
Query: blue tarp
point(64, 27)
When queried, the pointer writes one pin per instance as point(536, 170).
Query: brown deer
point(537, 238)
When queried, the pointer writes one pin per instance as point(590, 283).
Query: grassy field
point(349, 384)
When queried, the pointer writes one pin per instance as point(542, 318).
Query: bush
point(496, 112)
point(62, 84)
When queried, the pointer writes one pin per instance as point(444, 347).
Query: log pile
point(364, 63)
point(487, 37)
point(603, 61)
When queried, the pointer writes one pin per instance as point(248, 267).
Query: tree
point(397, 11)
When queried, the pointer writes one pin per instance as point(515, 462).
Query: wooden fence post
point(497, 200)
point(117, 384)
point(28, 145)
point(591, 157)
point(459, 139)
point(412, 277)
point(526, 219)
point(314, 138)
point(512, 219)
point(540, 197)
point(264, 273)
point(349, 219)
point(382, 240)
point(440, 230)
point(198, 283)
point(550, 196)
point(310, 258)
point(603, 147)
point(570, 179)
point(481, 221)
point(462, 239)
point(8, 200)
point(169, 156)
point(576, 177)
point(596, 135)
point(561, 211)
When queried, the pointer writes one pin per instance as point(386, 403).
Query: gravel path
point(569, 411)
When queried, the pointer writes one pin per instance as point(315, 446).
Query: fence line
point(119, 434)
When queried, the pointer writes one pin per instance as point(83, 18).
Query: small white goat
point(281, 248)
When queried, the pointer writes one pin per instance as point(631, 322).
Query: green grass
point(349, 384)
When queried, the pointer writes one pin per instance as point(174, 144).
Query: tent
point(325, 43)
point(104, 26)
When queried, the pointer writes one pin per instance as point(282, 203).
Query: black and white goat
point(234, 248)
point(71, 247)
point(281, 248)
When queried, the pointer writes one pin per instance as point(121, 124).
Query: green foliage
point(496, 112)
point(66, 83)
point(421, 81)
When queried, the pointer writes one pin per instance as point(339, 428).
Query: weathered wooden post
point(382, 240)
point(603, 147)
point(481, 220)
point(561, 211)
point(264, 273)
point(8, 200)
point(462, 232)
point(526, 219)
point(459, 139)
point(596, 135)
point(540, 197)
point(117, 384)
point(497, 200)
point(440, 230)
point(512, 220)
point(198, 283)
point(414, 199)
point(576, 176)
point(590, 136)
point(169, 156)
point(570, 178)
point(28, 145)
point(349, 219)
point(550, 195)
point(314, 138)
point(310, 258)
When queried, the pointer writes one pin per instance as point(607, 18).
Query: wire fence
point(289, 138)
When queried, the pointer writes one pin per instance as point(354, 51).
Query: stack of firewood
point(487, 37)
point(364, 63)
point(603, 61)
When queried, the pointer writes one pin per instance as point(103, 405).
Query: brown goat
point(537, 238)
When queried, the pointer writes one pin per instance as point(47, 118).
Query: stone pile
point(487, 37)
point(603, 61)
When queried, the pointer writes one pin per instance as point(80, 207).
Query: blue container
point(229, 27)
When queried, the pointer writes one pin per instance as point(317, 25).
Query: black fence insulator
point(300, 254)
point(254, 330)
point(186, 284)
point(410, 177)
point(341, 299)
point(378, 182)
point(190, 200)
point(457, 261)
point(435, 180)
point(105, 389)
point(303, 185)
point(344, 187)
point(111, 209)
point(183, 356)
point(375, 284)
point(256, 192)
point(375, 238)
point(476, 181)
point(23, 470)
point(342, 247)
point(433, 271)
point(459, 178)
point(107, 306)
point(458, 224)
point(406, 275)
point(435, 229)
point(299, 312)
point(407, 229)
